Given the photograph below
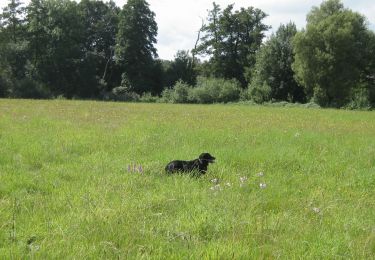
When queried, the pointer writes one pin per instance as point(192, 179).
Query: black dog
point(199, 165)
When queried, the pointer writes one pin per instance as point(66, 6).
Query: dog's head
point(207, 157)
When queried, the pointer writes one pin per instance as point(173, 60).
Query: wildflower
point(260, 174)
point(262, 185)
point(228, 184)
point(216, 187)
point(215, 181)
point(297, 134)
point(316, 210)
point(243, 179)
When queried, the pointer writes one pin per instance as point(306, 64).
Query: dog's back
point(179, 166)
point(199, 164)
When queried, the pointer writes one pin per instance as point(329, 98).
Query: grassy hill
point(293, 183)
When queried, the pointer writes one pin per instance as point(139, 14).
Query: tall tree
point(56, 35)
point(12, 19)
point(330, 53)
point(12, 39)
point(135, 50)
point(100, 21)
point(181, 68)
point(231, 39)
point(273, 77)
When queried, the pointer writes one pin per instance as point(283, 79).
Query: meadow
point(293, 182)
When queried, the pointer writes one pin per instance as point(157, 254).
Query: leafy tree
point(368, 73)
point(273, 77)
point(135, 50)
point(11, 20)
point(12, 41)
point(56, 35)
point(100, 21)
point(330, 54)
point(231, 40)
point(181, 68)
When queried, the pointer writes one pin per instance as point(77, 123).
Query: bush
point(178, 94)
point(3, 87)
point(148, 98)
point(215, 90)
point(259, 93)
point(29, 88)
point(360, 99)
point(166, 95)
point(123, 94)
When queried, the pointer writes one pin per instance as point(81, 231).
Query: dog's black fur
point(199, 165)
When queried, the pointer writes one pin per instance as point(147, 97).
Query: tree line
point(96, 50)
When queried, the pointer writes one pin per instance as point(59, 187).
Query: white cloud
point(179, 20)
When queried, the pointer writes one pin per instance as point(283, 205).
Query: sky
point(180, 20)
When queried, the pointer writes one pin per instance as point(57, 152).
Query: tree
point(330, 54)
point(100, 21)
point(135, 51)
point(181, 68)
point(11, 20)
point(273, 77)
point(12, 41)
point(231, 40)
point(56, 36)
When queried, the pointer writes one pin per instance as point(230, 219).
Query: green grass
point(65, 191)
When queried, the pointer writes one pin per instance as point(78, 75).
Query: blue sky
point(179, 20)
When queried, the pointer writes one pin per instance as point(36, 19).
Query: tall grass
point(66, 192)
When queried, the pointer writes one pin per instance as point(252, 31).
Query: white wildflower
point(316, 210)
point(260, 174)
point(262, 185)
point(243, 179)
point(216, 187)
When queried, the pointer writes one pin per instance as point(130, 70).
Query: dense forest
point(97, 50)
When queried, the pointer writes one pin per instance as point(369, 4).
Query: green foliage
point(29, 88)
point(207, 91)
point(123, 94)
point(100, 21)
point(259, 91)
point(178, 94)
point(360, 98)
point(135, 51)
point(331, 53)
point(12, 21)
point(272, 77)
point(181, 68)
point(231, 39)
point(149, 98)
point(215, 90)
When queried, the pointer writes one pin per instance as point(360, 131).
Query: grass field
point(66, 190)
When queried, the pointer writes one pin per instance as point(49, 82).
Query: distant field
point(66, 192)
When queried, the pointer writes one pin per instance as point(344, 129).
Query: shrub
point(259, 93)
point(148, 98)
point(123, 94)
point(360, 99)
point(215, 90)
point(178, 94)
point(29, 88)
point(166, 95)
